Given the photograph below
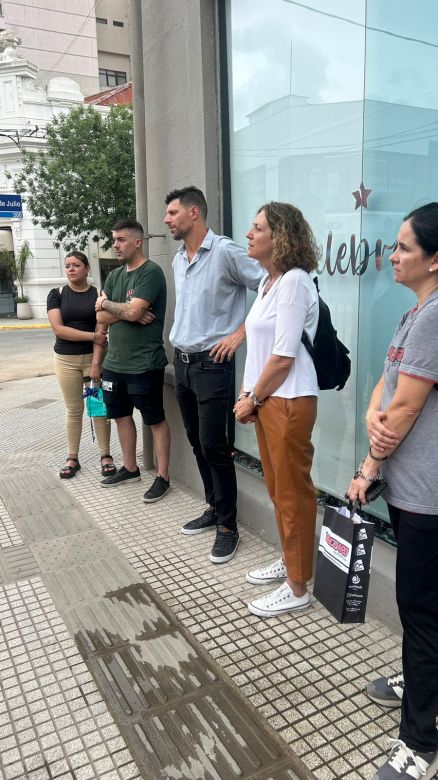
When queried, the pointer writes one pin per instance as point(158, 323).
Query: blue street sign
point(11, 207)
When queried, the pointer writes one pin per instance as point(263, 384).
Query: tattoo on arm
point(129, 312)
point(116, 309)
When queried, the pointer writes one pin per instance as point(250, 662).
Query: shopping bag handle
point(352, 506)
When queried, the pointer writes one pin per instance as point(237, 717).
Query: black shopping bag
point(343, 564)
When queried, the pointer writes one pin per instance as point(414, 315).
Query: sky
point(320, 46)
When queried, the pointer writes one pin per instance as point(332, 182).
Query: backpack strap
point(304, 338)
point(308, 344)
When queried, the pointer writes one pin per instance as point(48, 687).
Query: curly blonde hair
point(293, 240)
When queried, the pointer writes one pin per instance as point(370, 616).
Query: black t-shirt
point(77, 311)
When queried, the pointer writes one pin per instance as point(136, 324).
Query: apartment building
point(86, 41)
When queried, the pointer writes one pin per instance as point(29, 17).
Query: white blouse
point(274, 326)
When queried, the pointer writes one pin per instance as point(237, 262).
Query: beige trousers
point(284, 429)
point(70, 371)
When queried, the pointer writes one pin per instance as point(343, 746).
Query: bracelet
point(360, 473)
point(255, 400)
point(374, 457)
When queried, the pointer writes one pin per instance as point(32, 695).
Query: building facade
point(329, 105)
point(113, 42)
point(86, 41)
point(25, 109)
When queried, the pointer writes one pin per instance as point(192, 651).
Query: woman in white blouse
point(279, 393)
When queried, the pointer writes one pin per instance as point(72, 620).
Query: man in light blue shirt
point(212, 274)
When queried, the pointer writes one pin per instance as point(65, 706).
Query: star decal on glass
point(361, 196)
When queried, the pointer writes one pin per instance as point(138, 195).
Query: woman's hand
point(95, 372)
point(380, 437)
point(102, 297)
point(100, 339)
point(244, 411)
point(356, 491)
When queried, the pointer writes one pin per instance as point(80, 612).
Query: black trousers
point(203, 391)
point(417, 600)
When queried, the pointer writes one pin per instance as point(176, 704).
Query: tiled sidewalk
point(304, 674)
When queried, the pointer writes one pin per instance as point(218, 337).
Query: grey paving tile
point(309, 658)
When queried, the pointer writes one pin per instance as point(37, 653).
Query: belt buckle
point(184, 357)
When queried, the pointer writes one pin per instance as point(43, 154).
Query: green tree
point(83, 180)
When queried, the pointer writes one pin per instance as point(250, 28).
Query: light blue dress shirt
point(211, 292)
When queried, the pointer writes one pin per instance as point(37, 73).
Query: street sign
point(11, 207)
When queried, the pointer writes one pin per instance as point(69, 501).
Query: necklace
point(269, 284)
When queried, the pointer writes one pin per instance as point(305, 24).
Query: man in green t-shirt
point(133, 305)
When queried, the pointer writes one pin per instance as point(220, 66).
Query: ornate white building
point(25, 109)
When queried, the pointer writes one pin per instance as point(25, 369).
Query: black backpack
point(329, 355)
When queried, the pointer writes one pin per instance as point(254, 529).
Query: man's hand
point(380, 437)
point(98, 305)
point(228, 345)
point(147, 318)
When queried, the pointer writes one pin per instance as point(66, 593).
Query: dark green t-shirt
point(135, 348)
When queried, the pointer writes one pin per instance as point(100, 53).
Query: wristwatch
point(255, 400)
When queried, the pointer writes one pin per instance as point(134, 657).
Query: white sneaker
point(272, 573)
point(406, 764)
point(279, 601)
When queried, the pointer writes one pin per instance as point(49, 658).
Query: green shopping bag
point(94, 403)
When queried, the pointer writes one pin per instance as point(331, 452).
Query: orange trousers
point(284, 429)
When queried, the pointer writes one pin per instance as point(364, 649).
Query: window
point(341, 116)
point(111, 78)
point(99, 20)
point(118, 24)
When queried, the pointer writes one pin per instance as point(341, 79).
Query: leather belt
point(192, 357)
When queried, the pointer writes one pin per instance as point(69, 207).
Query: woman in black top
point(72, 316)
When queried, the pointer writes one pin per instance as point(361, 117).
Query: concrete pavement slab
point(303, 675)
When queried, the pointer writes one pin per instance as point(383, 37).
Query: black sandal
point(108, 469)
point(67, 472)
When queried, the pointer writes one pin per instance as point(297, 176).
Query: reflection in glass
point(334, 107)
point(297, 121)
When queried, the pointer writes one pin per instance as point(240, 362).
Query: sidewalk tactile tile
point(204, 737)
point(31, 745)
point(17, 563)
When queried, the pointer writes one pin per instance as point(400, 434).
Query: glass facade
point(334, 107)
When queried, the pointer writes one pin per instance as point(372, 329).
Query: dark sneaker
point(121, 476)
point(406, 764)
point(386, 691)
point(225, 545)
point(157, 490)
point(200, 524)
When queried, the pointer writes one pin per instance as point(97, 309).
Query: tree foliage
point(83, 181)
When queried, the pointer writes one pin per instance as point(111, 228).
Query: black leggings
point(417, 600)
